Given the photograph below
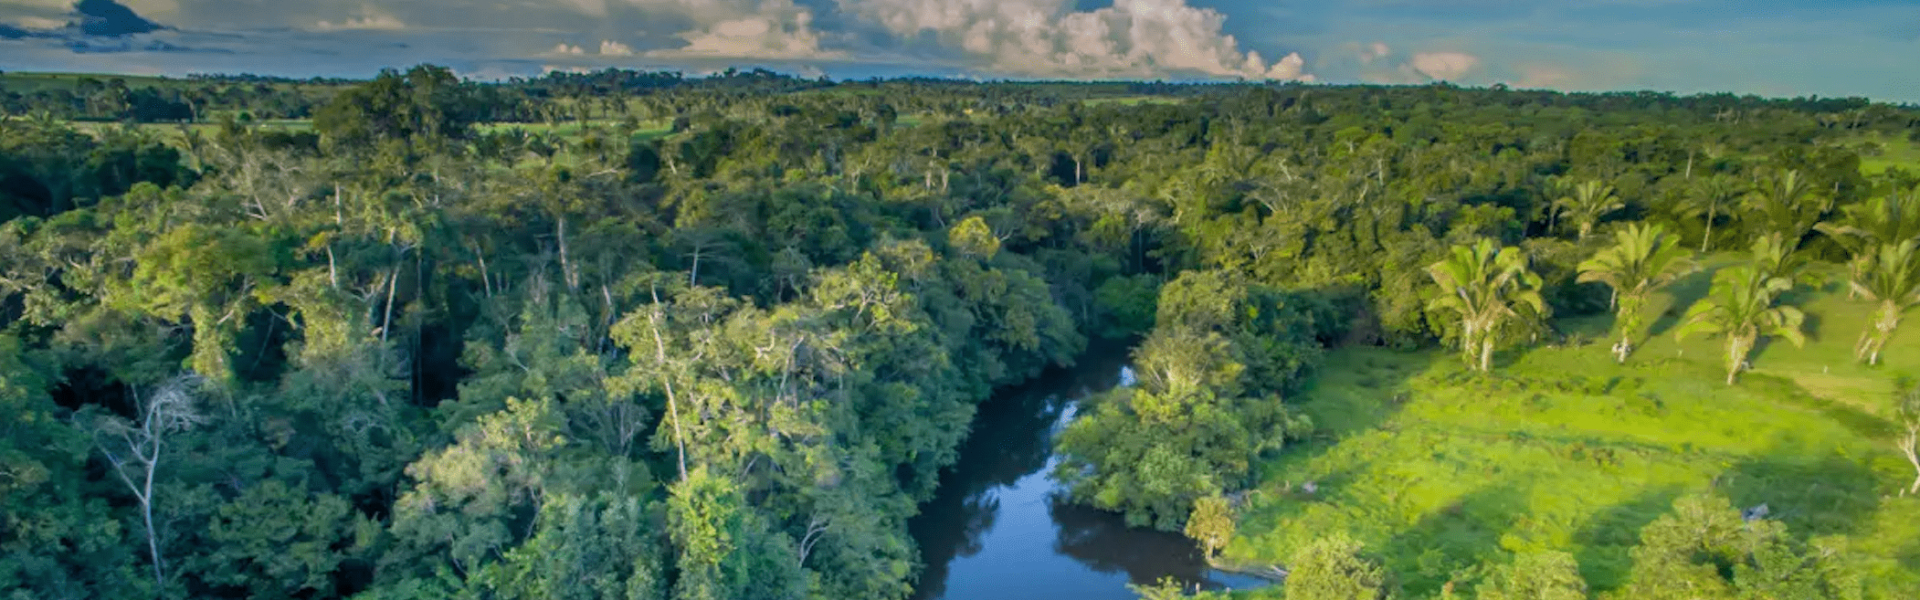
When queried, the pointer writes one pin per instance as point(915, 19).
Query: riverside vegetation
point(634, 335)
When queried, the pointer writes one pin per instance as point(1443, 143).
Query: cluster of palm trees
point(1493, 293)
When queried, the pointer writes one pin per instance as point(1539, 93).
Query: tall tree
point(1890, 219)
point(1587, 203)
point(1709, 197)
point(137, 449)
point(1786, 204)
point(1889, 278)
point(1489, 289)
point(1644, 258)
point(1741, 307)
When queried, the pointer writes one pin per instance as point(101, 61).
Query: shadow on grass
point(1859, 421)
point(1460, 536)
point(1685, 291)
point(1814, 494)
point(1810, 326)
point(1358, 389)
point(1607, 540)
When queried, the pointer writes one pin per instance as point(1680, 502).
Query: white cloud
point(1130, 38)
point(39, 23)
point(612, 48)
point(1443, 65)
point(771, 29)
point(1538, 76)
point(1373, 52)
point(367, 19)
point(563, 48)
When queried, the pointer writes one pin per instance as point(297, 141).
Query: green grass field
point(1889, 152)
point(1438, 470)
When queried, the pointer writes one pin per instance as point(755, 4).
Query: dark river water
point(999, 528)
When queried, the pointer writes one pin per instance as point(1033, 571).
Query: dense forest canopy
point(717, 337)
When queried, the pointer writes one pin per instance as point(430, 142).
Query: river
point(999, 530)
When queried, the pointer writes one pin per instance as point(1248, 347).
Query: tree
point(1889, 278)
point(1489, 289)
point(1536, 576)
point(1784, 203)
point(1740, 306)
point(1907, 407)
point(1331, 568)
point(1708, 197)
point(1211, 524)
point(1643, 259)
point(1881, 221)
point(136, 450)
point(1588, 202)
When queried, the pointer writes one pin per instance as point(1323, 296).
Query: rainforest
point(642, 335)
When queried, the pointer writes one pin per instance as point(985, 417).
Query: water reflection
point(998, 530)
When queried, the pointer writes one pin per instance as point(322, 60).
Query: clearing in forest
point(1437, 469)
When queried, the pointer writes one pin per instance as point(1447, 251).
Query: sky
point(1828, 48)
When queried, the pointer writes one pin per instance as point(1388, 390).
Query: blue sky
point(1771, 47)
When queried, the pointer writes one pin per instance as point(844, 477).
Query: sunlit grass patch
point(1440, 470)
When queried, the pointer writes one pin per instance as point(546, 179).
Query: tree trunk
point(673, 404)
point(1910, 446)
point(566, 267)
point(1712, 212)
point(146, 512)
point(1736, 356)
point(386, 321)
point(1486, 354)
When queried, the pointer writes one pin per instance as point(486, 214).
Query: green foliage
point(1127, 305)
point(1333, 569)
point(1208, 402)
point(1535, 576)
point(1741, 307)
point(1889, 278)
point(750, 325)
point(1491, 293)
point(1211, 524)
point(1704, 550)
point(1643, 259)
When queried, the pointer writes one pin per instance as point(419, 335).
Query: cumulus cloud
point(770, 29)
point(563, 48)
point(1373, 52)
point(611, 48)
point(1130, 38)
point(1537, 76)
point(1445, 66)
point(367, 19)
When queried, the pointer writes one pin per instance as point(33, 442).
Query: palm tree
point(1708, 197)
point(1590, 201)
point(1740, 306)
point(1784, 203)
point(1486, 286)
point(1775, 257)
point(1891, 279)
point(1644, 258)
point(1884, 220)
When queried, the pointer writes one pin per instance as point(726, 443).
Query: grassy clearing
point(1439, 470)
point(1879, 153)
